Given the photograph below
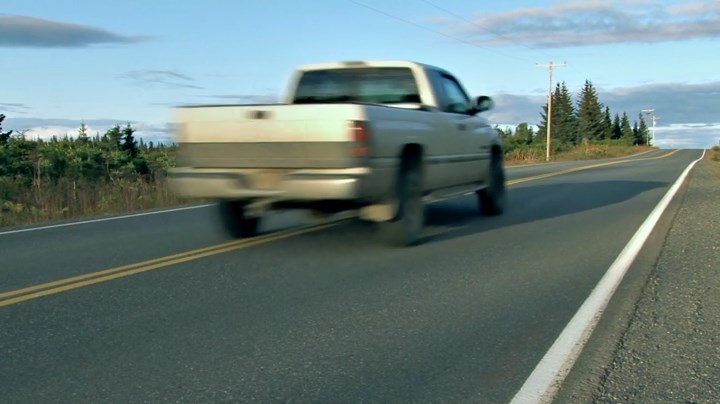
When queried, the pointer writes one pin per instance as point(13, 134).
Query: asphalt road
point(330, 315)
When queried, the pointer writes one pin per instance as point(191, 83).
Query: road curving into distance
point(163, 307)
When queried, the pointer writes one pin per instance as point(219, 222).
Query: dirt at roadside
point(671, 351)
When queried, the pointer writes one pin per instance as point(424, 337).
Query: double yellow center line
point(74, 282)
point(582, 168)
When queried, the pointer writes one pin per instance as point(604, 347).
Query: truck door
point(467, 134)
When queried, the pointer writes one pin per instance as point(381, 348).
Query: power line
point(424, 27)
point(458, 16)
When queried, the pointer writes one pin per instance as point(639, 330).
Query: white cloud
point(22, 31)
point(687, 136)
point(579, 23)
point(14, 107)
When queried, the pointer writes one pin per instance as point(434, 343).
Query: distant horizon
point(165, 135)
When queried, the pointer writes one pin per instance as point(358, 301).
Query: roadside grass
point(590, 151)
point(715, 156)
point(21, 204)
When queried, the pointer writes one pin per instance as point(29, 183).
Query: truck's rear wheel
point(493, 198)
point(235, 220)
point(406, 227)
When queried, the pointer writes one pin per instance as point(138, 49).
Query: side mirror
point(483, 103)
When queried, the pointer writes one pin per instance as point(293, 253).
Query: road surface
point(164, 307)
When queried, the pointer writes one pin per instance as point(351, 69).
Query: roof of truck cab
point(365, 63)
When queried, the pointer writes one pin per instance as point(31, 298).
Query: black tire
point(406, 227)
point(235, 220)
point(493, 198)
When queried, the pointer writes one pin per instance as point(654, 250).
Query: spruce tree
point(524, 133)
point(643, 131)
point(541, 137)
point(616, 127)
point(564, 120)
point(113, 137)
point(628, 135)
point(637, 139)
point(129, 144)
point(82, 133)
point(566, 129)
point(590, 114)
point(4, 136)
point(607, 125)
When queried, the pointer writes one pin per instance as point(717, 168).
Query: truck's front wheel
point(406, 227)
point(235, 220)
point(493, 198)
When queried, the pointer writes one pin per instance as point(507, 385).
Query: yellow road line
point(62, 285)
point(74, 282)
point(113, 270)
point(572, 170)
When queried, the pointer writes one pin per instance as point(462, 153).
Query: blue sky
point(112, 62)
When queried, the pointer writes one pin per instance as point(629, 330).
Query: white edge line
point(544, 382)
point(105, 219)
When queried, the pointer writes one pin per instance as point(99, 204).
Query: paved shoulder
point(671, 349)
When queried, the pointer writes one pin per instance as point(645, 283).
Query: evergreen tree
point(4, 136)
point(616, 127)
point(564, 120)
point(607, 125)
point(129, 144)
point(82, 132)
point(541, 137)
point(524, 133)
point(643, 131)
point(627, 132)
point(590, 114)
point(113, 137)
point(636, 138)
point(564, 116)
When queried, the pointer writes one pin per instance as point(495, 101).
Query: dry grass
point(715, 156)
point(582, 152)
point(23, 205)
point(601, 151)
point(525, 155)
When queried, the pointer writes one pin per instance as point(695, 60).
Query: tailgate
point(267, 136)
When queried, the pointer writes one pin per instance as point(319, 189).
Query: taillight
point(360, 133)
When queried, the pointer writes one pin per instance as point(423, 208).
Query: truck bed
point(276, 135)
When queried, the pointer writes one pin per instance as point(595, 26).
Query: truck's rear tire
point(493, 198)
point(406, 227)
point(235, 220)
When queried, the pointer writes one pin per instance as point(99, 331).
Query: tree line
point(575, 122)
point(83, 174)
point(108, 157)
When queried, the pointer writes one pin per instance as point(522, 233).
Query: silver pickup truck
point(379, 137)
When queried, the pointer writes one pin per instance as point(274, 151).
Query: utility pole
point(550, 65)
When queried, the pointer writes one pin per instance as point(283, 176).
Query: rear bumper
point(357, 183)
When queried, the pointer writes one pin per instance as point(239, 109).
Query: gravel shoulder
point(660, 340)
